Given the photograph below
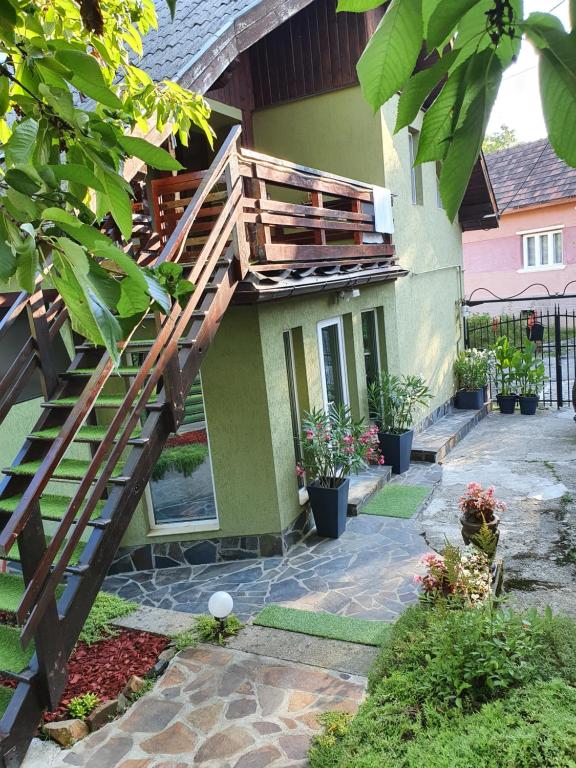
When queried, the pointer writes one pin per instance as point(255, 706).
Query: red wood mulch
point(105, 667)
point(187, 438)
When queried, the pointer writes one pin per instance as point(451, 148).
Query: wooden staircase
point(69, 495)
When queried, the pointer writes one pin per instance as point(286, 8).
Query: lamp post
point(220, 606)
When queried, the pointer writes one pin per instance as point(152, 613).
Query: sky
point(518, 103)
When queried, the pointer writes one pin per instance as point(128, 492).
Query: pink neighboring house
point(534, 247)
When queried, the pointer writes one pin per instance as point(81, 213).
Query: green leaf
point(156, 157)
point(7, 261)
point(88, 78)
point(572, 14)
point(20, 146)
point(27, 264)
point(157, 293)
point(4, 95)
point(467, 140)
point(75, 172)
point(442, 22)
point(133, 300)
point(118, 203)
point(22, 181)
point(172, 6)
point(437, 123)
point(8, 16)
point(391, 54)
point(418, 88)
point(358, 6)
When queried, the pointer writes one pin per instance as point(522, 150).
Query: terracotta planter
point(329, 507)
point(471, 526)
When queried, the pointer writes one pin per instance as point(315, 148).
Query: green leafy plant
point(81, 706)
point(468, 46)
point(527, 371)
point(334, 445)
point(486, 541)
point(472, 368)
point(503, 352)
point(394, 401)
point(145, 688)
point(504, 138)
point(106, 608)
point(210, 630)
point(71, 100)
point(181, 458)
point(186, 639)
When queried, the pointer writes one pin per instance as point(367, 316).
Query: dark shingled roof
point(530, 174)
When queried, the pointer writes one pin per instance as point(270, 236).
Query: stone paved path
point(222, 708)
point(368, 573)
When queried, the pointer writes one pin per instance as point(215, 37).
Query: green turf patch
point(103, 401)
point(180, 458)
point(68, 469)
point(5, 696)
point(12, 657)
point(125, 370)
point(11, 591)
point(78, 549)
point(326, 625)
point(396, 501)
point(51, 507)
point(87, 434)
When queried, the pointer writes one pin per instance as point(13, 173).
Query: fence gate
point(553, 331)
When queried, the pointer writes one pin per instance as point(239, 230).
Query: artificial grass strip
point(68, 469)
point(12, 657)
point(181, 458)
point(125, 370)
point(5, 696)
point(78, 549)
point(11, 591)
point(103, 401)
point(346, 628)
point(51, 507)
point(86, 434)
point(396, 500)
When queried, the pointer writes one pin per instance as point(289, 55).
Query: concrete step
point(435, 442)
point(364, 485)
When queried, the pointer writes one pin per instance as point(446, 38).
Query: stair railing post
point(173, 386)
point(50, 650)
point(40, 332)
point(240, 239)
point(558, 355)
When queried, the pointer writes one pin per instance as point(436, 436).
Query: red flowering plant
point(480, 504)
point(334, 446)
point(462, 577)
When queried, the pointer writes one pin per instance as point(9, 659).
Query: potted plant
point(334, 446)
point(530, 374)
point(471, 368)
point(506, 397)
point(393, 401)
point(479, 506)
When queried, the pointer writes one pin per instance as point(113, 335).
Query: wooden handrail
point(163, 349)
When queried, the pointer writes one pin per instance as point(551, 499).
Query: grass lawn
point(396, 501)
point(323, 625)
point(472, 688)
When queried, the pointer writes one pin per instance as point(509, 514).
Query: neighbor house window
point(332, 362)
point(415, 171)
point(542, 249)
point(293, 398)
point(370, 345)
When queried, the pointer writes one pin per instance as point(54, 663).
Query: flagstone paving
point(222, 708)
point(367, 573)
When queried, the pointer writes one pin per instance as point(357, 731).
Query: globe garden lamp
point(220, 606)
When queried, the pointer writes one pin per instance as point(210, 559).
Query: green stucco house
point(300, 330)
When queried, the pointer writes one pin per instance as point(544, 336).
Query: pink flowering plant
point(480, 504)
point(460, 577)
point(334, 446)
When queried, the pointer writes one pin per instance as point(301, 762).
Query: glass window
point(293, 396)
point(331, 346)
point(558, 254)
point(542, 249)
point(531, 251)
point(371, 346)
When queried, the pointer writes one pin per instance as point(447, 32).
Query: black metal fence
point(554, 333)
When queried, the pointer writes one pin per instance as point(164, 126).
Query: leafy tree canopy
point(72, 102)
point(468, 44)
point(502, 139)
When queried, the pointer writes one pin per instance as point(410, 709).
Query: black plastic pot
point(528, 404)
point(506, 403)
point(469, 399)
point(329, 507)
point(396, 450)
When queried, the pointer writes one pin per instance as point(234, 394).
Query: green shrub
point(106, 608)
point(181, 458)
point(81, 706)
point(209, 629)
point(186, 639)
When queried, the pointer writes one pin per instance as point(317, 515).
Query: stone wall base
point(216, 550)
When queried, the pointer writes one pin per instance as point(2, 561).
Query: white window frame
point(539, 235)
point(342, 355)
point(186, 526)
point(374, 313)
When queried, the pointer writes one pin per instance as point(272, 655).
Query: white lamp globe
point(220, 605)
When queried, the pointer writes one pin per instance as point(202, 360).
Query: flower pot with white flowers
point(334, 446)
point(472, 368)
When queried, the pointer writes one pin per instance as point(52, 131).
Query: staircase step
point(12, 657)
point(14, 555)
point(364, 485)
point(434, 443)
point(87, 434)
point(125, 370)
point(104, 401)
point(51, 507)
point(68, 469)
point(11, 592)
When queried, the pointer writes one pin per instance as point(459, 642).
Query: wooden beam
point(295, 253)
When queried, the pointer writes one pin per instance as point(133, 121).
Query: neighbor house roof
point(530, 174)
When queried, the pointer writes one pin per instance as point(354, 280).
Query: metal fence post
point(558, 355)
